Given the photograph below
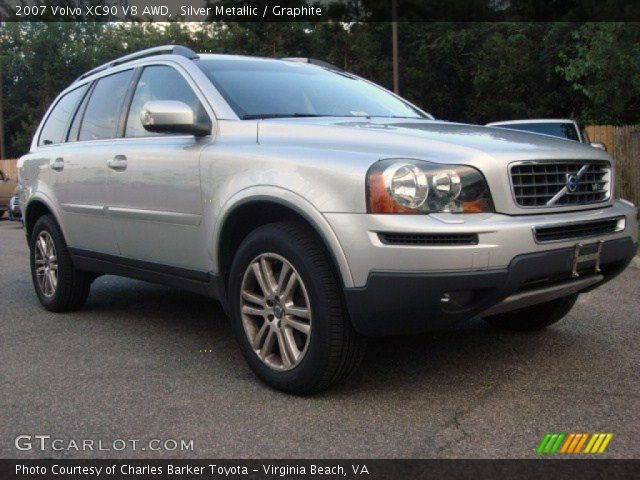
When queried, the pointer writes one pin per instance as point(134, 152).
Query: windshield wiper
point(279, 115)
point(293, 115)
point(399, 116)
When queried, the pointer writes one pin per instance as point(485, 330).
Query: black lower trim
point(576, 230)
point(395, 238)
point(205, 283)
point(405, 303)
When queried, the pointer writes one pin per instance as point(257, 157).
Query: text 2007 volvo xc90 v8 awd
point(316, 206)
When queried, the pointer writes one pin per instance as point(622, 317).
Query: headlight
point(415, 186)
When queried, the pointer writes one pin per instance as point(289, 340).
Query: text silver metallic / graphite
point(250, 11)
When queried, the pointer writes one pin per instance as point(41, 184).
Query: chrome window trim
point(177, 62)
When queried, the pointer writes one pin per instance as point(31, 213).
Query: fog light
point(456, 300)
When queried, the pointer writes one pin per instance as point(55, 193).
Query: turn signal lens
point(415, 186)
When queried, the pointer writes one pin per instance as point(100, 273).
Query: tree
point(604, 66)
point(469, 72)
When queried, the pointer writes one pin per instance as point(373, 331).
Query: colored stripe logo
point(569, 443)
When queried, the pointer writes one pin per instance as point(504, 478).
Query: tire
point(332, 349)
point(72, 286)
point(535, 317)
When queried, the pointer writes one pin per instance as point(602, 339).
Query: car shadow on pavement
point(470, 352)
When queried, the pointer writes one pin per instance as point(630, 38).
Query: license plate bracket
point(579, 258)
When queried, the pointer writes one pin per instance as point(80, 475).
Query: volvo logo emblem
point(572, 182)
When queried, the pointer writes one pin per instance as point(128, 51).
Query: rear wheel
point(60, 287)
point(288, 312)
point(535, 317)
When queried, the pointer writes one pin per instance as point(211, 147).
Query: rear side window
point(75, 124)
point(160, 83)
point(55, 128)
point(101, 117)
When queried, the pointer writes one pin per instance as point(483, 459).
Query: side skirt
point(204, 283)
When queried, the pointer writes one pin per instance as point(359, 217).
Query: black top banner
point(319, 10)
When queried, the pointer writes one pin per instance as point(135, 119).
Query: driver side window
point(160, 82)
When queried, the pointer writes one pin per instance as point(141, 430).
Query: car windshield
point(555, 129)
point(257, 88)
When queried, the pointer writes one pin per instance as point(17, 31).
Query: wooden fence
point(9, 168)
point(623, 143)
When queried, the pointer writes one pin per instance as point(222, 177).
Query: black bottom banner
point(301, 469)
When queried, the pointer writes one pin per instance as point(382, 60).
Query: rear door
point(83, 191)
point(155, 179)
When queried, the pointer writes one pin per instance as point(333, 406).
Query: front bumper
point(399, 288)
point(500, 239)
point(406, 303)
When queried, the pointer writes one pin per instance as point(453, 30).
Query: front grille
point(576, 230)
point(428, 238)
point(549, 184)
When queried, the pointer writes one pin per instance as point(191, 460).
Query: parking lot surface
point(147, 362)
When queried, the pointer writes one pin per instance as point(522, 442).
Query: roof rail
point(162, 50)
point(313, 61)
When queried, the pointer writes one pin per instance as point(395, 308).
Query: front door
point(154, 179)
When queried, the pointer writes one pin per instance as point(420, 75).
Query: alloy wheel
point(276, 312)
point(46, 264)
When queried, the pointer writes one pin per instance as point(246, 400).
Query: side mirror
point(599, 145)
point(169, 116)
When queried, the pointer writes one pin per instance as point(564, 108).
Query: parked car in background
point(316, 206)
point(561, 128)
point(14, 205)
point(7, 187)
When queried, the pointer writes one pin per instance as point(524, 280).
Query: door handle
point(118, 163)
point(57, 164)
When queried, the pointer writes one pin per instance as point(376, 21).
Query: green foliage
point(604, 66)
point(469, 72)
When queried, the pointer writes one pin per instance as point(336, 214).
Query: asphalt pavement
point(144, 362)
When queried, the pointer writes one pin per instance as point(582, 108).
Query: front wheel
point(535, 317)
point(288, 313)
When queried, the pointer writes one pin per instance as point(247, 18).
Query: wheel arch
point(259, 206)
point(36, 208)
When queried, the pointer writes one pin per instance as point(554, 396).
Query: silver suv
point(317, 207)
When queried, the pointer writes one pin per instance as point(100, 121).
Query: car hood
point(428, 139)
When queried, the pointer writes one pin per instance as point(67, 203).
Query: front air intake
point(573, 231)
point(429, 239)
